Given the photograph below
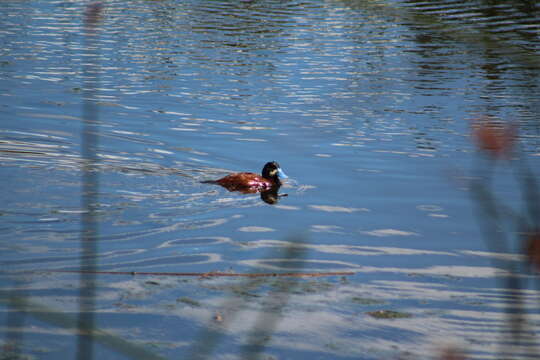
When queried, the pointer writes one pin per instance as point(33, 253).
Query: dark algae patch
point(188, 301)
point(388, 314)
point(366, 301)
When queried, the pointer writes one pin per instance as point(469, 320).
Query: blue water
point(367, 107)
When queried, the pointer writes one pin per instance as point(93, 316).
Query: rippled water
point(366, 105)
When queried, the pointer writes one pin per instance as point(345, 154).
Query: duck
point(249, 183)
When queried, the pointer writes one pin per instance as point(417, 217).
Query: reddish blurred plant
point(452, 354)
point(503, 226)
point(494, 137)
point(92, 14)
point(532, 249)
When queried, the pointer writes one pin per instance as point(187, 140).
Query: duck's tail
point(209, 182)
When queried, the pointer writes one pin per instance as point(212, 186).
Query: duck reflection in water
point(266, 184)
point(271, 196)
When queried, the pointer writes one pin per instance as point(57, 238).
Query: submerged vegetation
point(388, 314)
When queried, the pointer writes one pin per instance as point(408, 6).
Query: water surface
point(367, 106)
